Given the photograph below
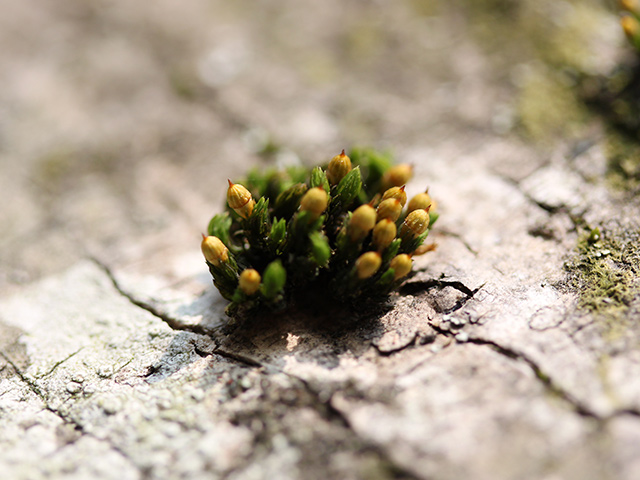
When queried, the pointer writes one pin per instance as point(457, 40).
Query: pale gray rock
point(119, 125)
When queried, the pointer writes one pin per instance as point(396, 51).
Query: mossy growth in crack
point(335, 233)
point(623, 160)
point(606, 273)
point(547, 106)
point(616, 98)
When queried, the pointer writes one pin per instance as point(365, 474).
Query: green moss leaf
point(347, 190)
point(320, 249)
point(278, 233)
point(433, 217)
point(273, 280)
point(219, 227)
point(288, 201)
point(259, 224)
point(225, 278)
point(319, 179)
point(373, 165)
point(391, 251)
point(409, 244)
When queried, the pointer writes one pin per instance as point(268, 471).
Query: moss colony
point(606, 273)
point(339, 234)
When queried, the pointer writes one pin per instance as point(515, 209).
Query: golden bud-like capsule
point(240, 199)
point(390, 208)
point(630, 25)
point(630, 5)
point(362, 222)
point(384, 233)
point(339, 166)
point(397, 175)
point(416, 223)
point(368, 264)
point(249, 281)
point(421, 201)
point(314, 201)
point(214, 250)
point(396, 192)
point(401, 265)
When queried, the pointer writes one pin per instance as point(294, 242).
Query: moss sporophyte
point(630, 20)
point(338, 234)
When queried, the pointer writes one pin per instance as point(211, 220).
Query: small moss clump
point(322, 236)
point(616, 97)
point(606, 272)
point(630, 21)
point(548, 108)
point(623, 161)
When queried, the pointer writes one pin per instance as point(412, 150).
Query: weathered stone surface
point(118, 127)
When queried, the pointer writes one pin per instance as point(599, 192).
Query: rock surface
point(118, 128)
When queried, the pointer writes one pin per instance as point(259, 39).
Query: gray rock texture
point(119, 124)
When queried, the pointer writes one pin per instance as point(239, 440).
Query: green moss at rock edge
point(606, 273)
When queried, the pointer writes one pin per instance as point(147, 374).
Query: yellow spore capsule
point(629, 5)
point(397, 175)
point(389, 208)
point(631, 26)
point(214, 250)
point(396, 192)
point(362, 222)
point(249, 281)
point(368, 264)
point(421, 201)
point(314, 201)
point(416, 223)
point(401, 265)
point(338, 167)
point(384, 233)
point(240, 199)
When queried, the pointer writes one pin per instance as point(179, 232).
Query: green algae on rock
point(606, 273)
point(300, 236)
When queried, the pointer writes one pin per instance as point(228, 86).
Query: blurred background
point(120, 121)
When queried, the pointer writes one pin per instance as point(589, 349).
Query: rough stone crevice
point(388, 353)
point(246, 360)
point(549, 384)
point(27, 381)
point(174, 323)
point(59, 362)
point(460, 238)
point(552, 387)
point(412, 288)
point(621, 412)
point(67, 419)
point(330, 413)
point(550, 209)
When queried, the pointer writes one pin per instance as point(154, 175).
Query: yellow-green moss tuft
point(606, 273)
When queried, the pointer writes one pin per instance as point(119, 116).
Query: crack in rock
point(60, 362)
point(412, 288)
point(172, 322)
point(66, 419)
point(204, 349)
point(460, 238)
point(549, 384)
point(331, 412)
